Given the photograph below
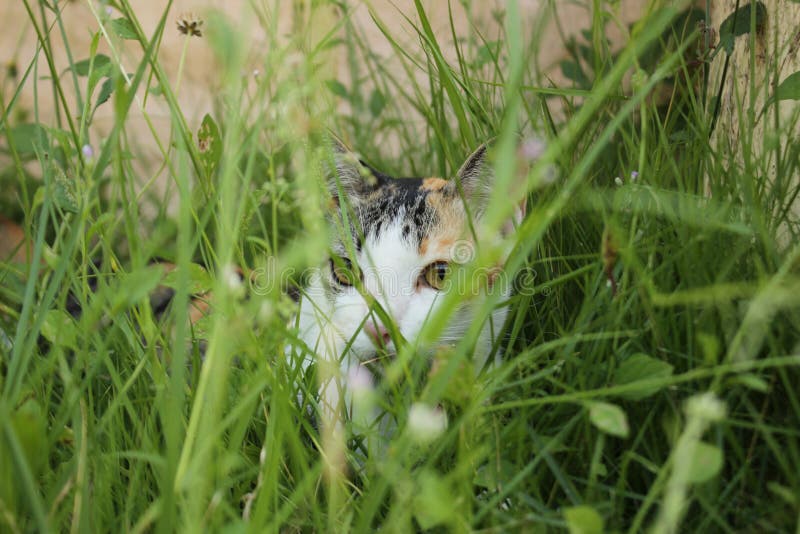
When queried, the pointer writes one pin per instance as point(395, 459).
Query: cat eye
point(343, 271)
point(435, 274)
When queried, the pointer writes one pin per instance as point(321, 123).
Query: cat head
point(398, 241)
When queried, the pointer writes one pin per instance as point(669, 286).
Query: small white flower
point(87, 151)
point(360, 389)
point(618, 180)
point(266, 312)
point(232, 279)
point(549, 175)
point(706, 406)
point(426, 423)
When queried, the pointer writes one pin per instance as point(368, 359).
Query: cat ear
point(344, 172)
point(476, 177)
point(477, 181)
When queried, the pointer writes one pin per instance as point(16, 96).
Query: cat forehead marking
point(439, 245)
point(429, 209)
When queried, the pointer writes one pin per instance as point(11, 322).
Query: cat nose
point(378, 333)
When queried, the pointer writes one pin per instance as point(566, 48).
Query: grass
point(650, 378)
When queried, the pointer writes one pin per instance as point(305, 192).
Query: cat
point(395, 244)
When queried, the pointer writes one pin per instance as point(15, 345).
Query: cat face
point(398, 241)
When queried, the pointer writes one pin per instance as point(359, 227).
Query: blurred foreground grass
point(652, 365)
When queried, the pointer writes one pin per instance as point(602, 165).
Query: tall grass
point(651, 368)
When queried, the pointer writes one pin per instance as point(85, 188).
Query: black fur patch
point(405, 200)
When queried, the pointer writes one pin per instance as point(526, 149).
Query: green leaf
point(134, 287)
point(682, 136)
point(28, 422)
point(332, 43)
point(123, 28)
point(433, 502)
point(235, 525)
point(706, 462)
point(751, 381)
point(583, 519)
point(492, 474)
point(789, 88)
point(30, 425)
point(156, 90)
point(609, 418)
point(100, 225)
point(573, 71)
point(791, 498)
point(209, 142)
point(710, 346)
point(28, 137)
point(39, 197)
point(336, 87)
point(641, 367)
point(486, 53)
point(101, 62)
point(96, 70)
point(199, 279)
point(59, 329)
point(376, 102)
point(105, 92)
point(738, 23)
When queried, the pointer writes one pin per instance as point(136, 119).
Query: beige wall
point(200, 80)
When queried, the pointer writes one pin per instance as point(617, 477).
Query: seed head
point(12, 69)
point(190, 25)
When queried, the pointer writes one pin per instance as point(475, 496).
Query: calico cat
point(395, 247)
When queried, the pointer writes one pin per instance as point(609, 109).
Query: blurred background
point(299, 24)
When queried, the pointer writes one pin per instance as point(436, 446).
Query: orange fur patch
point(443, 248)
point(433, 184)
point(446, 242)
point(440, 245)
point(199, 307)
point(451, 224)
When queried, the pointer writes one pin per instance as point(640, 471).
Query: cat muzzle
point(378, 334)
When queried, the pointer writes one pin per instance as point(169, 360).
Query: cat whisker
point(372, 360)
